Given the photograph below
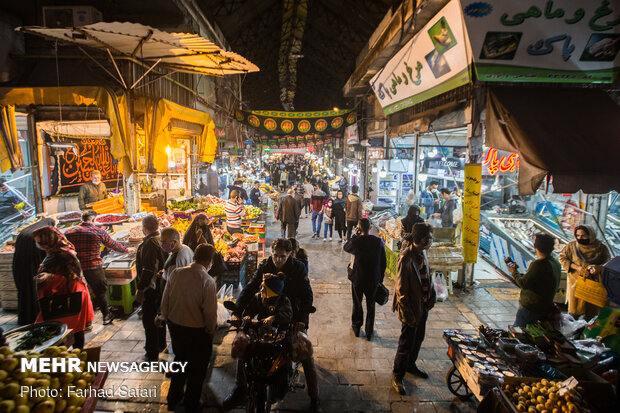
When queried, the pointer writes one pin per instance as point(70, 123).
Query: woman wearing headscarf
point(26, 261)
point(412, 218)
point(60, 273)
point(338, 211)
point(585, 256)
point(198, 232)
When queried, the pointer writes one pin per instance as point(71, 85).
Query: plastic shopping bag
point(222, 316)
point(221, 294)
point(441, 287)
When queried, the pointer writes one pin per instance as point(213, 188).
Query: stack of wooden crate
point(8, 291)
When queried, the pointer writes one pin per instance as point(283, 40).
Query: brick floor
point(354, 373)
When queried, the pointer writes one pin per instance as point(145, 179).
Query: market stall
point(494, 362)
point(49, 340)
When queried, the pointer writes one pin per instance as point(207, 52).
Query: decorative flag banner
point(560, 41)
point(73, 170)
point(471, 212)
point(296, 123)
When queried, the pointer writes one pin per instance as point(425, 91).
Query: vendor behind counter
point(93, 191)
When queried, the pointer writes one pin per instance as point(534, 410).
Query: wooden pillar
point(33, 153)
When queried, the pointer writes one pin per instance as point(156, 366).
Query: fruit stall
point(531, 369)
point(48, 340)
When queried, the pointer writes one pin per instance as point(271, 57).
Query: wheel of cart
point(457, 384)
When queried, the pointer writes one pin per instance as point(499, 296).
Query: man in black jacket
point(238, 186)
point(288, 214)
point(365, 275)
point(150, 259)
point(298, 290)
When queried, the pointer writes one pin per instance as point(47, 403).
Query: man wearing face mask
point(430, 199)
point(414, 296)
point(189, 308)
point(180, 255)
point(150, 259)
point(93, 191)
point(298, 290)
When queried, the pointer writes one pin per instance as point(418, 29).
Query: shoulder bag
point(61, 305)
point(382, 295)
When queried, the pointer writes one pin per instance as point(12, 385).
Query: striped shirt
point(234, 213)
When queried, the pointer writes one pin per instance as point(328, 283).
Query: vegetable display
point(252, 212)
point(35, 337)
point(182, 205)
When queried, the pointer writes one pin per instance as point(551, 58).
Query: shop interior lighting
point(350, 166)
point(168, 150)
point(68, 146)
point(374, 169)
point(336, 109)
point(422, 177)
point(213, 167)
point(383, 173)
point(345, 169)
point(422, 156)
point(432, 153)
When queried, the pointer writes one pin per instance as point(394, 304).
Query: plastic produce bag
point(568, 326)
point(221, 294)
point(441, 287)
point(302, 346)
point(222, 315)
point(228, 296)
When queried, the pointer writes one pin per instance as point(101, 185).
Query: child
point(269, 305)
point(328, 219)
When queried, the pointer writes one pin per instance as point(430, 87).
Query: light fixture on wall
point(383, 173)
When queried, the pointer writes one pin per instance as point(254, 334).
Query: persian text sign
point(471, 212)
point(74, 170)
point(570, 41)
point(434, 61)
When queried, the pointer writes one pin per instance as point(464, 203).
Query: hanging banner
point(296, 123)
point(563, 41)
point(433, 62)
point(471, 212)
point(72, 171)
point(351, 135)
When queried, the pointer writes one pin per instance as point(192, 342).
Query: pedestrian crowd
point(176, 285)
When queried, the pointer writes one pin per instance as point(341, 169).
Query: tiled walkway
point(354, 374)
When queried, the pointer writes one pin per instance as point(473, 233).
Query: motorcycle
point(269, 369)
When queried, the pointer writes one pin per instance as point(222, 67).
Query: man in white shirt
point(180, 255)
point(308, 189)
point(189, 307)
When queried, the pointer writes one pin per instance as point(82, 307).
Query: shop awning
point(177, 51)
point(570, 134)
point(10, 152)
point(160, 118)
point(115, 108)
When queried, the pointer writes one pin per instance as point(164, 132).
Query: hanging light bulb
point(345, 169)
point(168, 150)
point(383, 173)
point(213, 168)
point(374, 169)
point(422, 177)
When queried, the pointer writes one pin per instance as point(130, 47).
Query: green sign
point(550, 41)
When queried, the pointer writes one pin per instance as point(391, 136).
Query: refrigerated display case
point(512, 237)
point(387, 191)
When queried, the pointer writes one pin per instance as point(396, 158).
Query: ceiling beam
point(245, 15)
